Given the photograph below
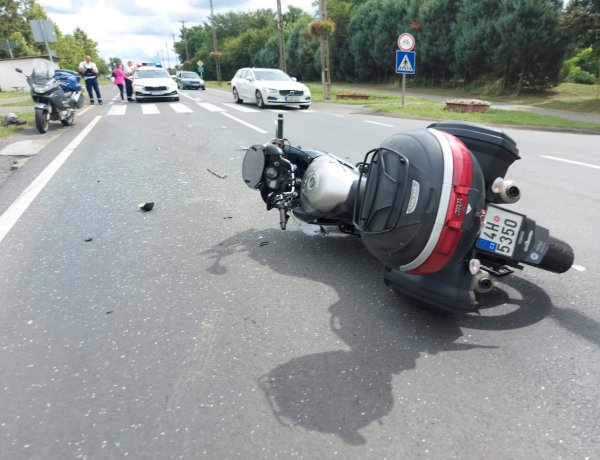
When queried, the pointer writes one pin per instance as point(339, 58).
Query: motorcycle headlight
point(43, 88)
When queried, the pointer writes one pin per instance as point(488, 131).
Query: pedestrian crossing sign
point(405, 62)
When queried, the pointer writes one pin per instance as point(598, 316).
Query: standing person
point(89, 71)
point(129, 70)
point(120, 78)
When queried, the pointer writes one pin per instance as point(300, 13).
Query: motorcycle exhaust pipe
point(505, 191)
point(484, 282)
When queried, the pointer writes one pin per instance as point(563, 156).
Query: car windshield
point(152, 73)
point(271, 75)
point(189, 75)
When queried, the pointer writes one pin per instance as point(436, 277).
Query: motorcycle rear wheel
point(42, 120)
point(559, 257)
point(69, 119)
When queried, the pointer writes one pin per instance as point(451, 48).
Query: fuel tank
point(326, 187)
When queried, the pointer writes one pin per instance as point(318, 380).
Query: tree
point(302, 51)
point(12, 20)
point(436, 37)
point(581, 24)
point(530, 50)
point(475, 40)
point(373, 32)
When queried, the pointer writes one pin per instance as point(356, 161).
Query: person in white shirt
point(129, 70)
point(89, 71)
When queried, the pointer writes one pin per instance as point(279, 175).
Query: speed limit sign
point(406, 42)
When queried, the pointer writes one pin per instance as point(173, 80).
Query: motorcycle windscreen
point(253, 166)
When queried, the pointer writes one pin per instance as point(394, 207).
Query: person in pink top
point(119, 77)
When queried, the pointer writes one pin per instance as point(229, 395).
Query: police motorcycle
point(56, 93)
point(429, 204)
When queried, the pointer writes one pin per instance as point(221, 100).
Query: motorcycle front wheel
point(42, 120)
point(69, 119)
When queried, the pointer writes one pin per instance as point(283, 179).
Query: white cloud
point(144, 30)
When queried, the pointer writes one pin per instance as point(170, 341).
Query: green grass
point(566, 97)
point(6, 131)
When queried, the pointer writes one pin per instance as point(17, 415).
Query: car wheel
point(304, 107)
point(236, 97)
point(176, 98)
point(204, 88)
point(260, 102)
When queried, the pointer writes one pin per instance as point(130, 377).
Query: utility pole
point(324, 42)
point(216, 53)
point(281, 26)
point(168, 56)
point(174, 48)
point(187, 53)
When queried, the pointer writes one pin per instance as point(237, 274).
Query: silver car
point(267, 87)
point(186, 79)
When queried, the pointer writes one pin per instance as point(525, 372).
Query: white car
point(154, 83)
point(268, 87)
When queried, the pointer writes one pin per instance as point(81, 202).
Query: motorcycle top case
point(495, 150)
point(420, 201)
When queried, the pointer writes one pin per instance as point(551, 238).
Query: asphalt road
point(201, 330)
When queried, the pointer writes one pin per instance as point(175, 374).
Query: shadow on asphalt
point(340, 392)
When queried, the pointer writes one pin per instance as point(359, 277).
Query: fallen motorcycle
point(57, 95)
point(426, 203)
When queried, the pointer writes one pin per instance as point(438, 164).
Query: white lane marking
point(117, 110)
point(239, 107)
point(20, 205)
point(588, 165)
point(579, 268)
point(379, 124)
point(180, 108)
point(210, 107)
point(191, 98)
point(149, 109)
point(255, 128)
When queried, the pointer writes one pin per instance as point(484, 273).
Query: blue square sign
point(405, 62)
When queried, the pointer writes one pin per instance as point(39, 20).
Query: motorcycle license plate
point(500, 231)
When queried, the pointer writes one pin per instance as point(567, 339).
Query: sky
point(142, 30)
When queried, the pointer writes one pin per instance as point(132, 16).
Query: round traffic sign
point(406, 42)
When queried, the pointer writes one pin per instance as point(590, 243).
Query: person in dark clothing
point(89, 71)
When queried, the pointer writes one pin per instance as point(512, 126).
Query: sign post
point(405, 58)
point(43, 31)
point(9, 45)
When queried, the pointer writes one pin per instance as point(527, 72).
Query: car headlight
point(268, 90)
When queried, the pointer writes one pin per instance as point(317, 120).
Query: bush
point(581, 76)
